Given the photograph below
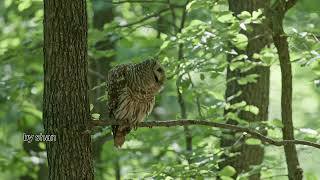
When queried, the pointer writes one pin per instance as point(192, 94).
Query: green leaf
point(217, 95)
point(244, 15)
point(226, 18)
point(253, 109)
point(95, 116)
point(240, 41)
point(189, 5)
point(25, 4)
point(7, 3)
point(236, 65)
point(233, 116)
point(227, 171)
point(256, 14)
point(164, 45)
point(91, 107)
point(196, 22)
point(276, 123)
point(226, 178)
point(42, 145)
point(243, 26)
point(238, 105)
point(256, 56)
point(253, 141)
point(251, 78)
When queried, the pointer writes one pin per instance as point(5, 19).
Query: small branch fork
point(183, 122)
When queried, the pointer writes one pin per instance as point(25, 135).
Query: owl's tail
point(119, 134)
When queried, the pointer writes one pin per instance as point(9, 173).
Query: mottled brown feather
point(131, 95)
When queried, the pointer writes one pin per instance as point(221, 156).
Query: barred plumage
point(131, 94)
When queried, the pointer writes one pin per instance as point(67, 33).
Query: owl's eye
point(156, 78)
point(159, 70)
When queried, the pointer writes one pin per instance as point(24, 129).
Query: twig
point(145, 18)
point(173, 15)
point(183, 122)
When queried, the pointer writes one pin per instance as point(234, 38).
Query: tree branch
point(145, 18)
point(295, 172)
point(183, 122)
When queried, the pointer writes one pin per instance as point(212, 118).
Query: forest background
point(197, 41)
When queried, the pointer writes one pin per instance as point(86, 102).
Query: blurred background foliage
point(132, 32)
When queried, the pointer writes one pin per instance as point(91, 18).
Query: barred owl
point(131, 95)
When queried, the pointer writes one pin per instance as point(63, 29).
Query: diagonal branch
point(145, 18)
point(183, 122)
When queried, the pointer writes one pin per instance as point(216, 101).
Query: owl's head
point(154, 75)
point(147, 75)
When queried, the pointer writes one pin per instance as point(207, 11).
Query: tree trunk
point(281, 43)
point(65, 101)
point(256, 94)
point(181, 100)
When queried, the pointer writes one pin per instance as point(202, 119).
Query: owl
point(131, 90)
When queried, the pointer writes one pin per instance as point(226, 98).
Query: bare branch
point(183, 122)
point(145, 18)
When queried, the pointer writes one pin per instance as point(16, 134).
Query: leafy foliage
point(208, 34)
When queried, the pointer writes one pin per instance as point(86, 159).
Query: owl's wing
point(116, 82)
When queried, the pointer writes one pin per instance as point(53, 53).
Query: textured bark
point(256, 94)
point(65, 100)
point(281, 43)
